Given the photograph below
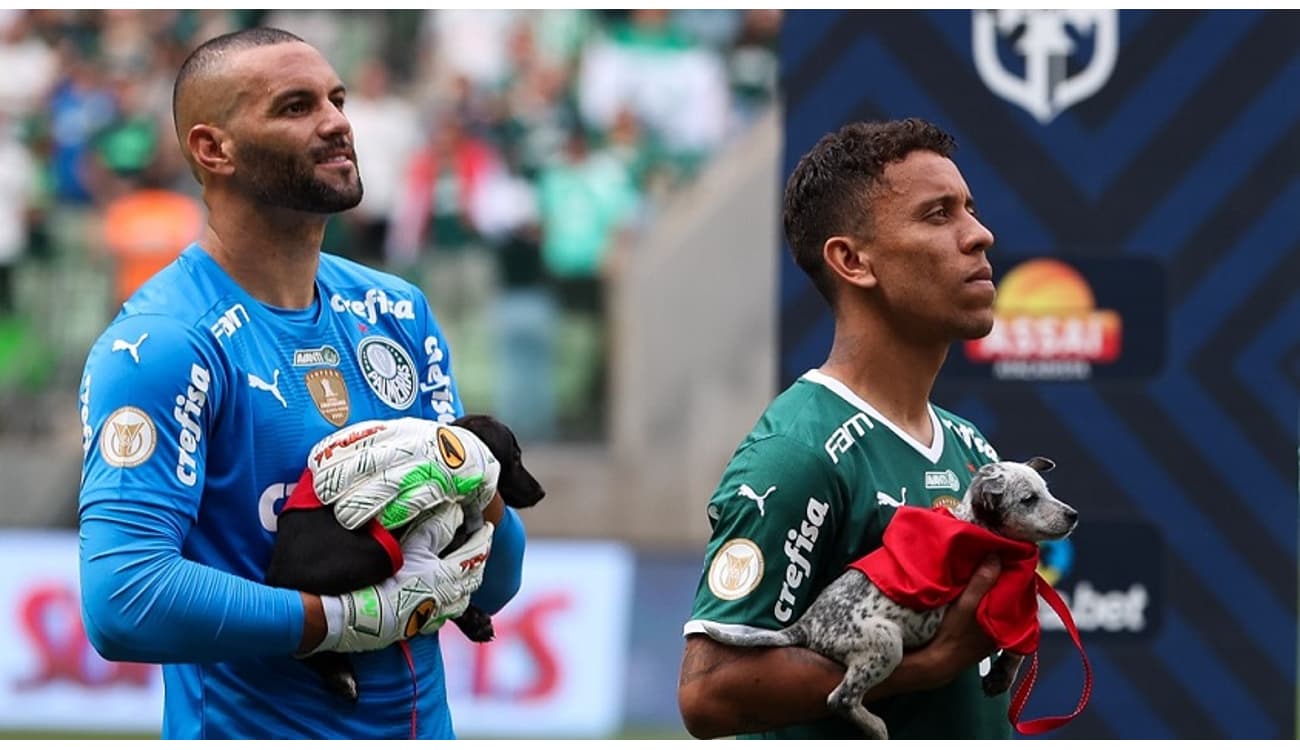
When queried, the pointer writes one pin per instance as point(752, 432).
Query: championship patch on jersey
point(736, 569)
point(945, 501)
point(388, 369)
point(330, 395)
point(128, 438)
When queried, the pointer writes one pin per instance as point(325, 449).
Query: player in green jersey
point(881, 219)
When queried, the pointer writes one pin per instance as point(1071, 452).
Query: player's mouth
point(983, 277)
point(337, 157)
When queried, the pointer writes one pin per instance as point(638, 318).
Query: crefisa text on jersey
point(799, 568)
point(189, 408)
point(375, 303)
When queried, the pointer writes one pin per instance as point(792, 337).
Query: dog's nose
point(1072, 515)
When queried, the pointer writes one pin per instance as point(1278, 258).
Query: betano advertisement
point(556, 668)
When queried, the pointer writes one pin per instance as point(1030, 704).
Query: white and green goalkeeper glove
point(420, 597)
point(398, 469)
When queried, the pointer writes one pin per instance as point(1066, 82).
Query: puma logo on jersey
point(748, 493)
point(272, 387)
point(884, 498)
point(122, 345)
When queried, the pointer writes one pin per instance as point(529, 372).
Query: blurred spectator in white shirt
point(386, 132)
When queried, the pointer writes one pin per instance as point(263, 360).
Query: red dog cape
point(927, 559)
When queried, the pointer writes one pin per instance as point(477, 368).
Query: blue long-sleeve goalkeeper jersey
point(198, 407)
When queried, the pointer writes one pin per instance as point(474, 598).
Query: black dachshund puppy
point(314, 553)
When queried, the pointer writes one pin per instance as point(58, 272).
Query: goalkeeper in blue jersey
point(201, 402)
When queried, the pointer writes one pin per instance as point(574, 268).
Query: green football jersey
point(807, 492)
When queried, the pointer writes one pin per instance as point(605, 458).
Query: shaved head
point(200, 94)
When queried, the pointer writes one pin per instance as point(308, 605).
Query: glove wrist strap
point(333, 607)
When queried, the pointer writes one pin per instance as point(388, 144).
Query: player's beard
point(285, 180)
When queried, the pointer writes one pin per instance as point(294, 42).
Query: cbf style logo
point(1057, 71)
point(1072, 320)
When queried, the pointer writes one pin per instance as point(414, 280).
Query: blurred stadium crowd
point(509, 160)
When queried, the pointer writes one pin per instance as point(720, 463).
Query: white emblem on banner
point(1046, 89)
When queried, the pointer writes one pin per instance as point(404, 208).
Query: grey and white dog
point(852, 622)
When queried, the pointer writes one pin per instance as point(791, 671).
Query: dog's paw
point(996, 682)
point(476, 625)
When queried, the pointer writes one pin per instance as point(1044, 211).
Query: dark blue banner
point(1146, 163)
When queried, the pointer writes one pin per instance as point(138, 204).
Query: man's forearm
point(313, 623)
point(726, 690)
point(142, 601)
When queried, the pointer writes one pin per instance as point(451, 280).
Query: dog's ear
point(1040, 464)
point(986, 496)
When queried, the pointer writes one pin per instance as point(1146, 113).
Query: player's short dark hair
point(830, 189)
point(208, 55)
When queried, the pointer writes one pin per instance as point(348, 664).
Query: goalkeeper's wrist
point(314, 627)
point(330, 626)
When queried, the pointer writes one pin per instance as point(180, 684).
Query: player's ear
point(847, 258)
point(210, 149)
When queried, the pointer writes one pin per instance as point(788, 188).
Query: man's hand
point(960, 642)
point(424, 594)
point(397, 469)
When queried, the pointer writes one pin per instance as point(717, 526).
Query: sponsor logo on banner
point(388, 370)
point(1058, 320)
point(325, 356)
point(1110, 596)
point(557, 666)
point(128, 438)
point(1058, 68)
point(330, 394)
point(736, 569)
point(51, 678)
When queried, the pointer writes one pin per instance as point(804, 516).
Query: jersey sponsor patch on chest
point(324, 356)
point(388, 369)
point(942, 480)
point(848, 433)
point(736, 569)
